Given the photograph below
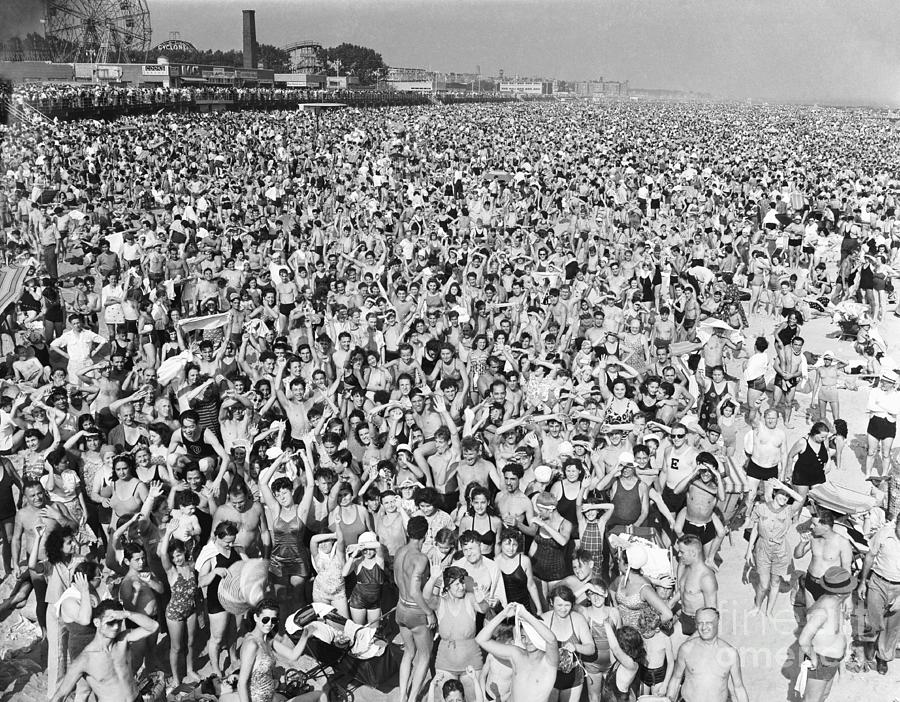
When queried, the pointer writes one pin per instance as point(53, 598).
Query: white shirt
point(77, 344)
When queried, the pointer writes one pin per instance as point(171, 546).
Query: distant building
point(313, 81)
point(397, 74)
point(601, 88)
point(526, 87)
point(341, 82)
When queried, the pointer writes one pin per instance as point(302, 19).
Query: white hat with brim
point(368, 540)
point(543, 474)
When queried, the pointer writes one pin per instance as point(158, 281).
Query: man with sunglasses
point(106, 661)
point(677, 464)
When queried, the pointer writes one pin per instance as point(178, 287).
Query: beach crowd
point(491, 382)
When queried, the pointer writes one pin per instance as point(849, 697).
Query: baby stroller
point(351, 656)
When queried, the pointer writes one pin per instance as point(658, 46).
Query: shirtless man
point(106, 661)
point(696, 586)
point(514, 507)
point(790, 368)
point(534, 663)
point(708, 665)
point(714, 351)
point(414, 617)
point(253, 536)
point(767, 454)
point(436, 458)
point(829, 549)
point(822, 640)
point(705, 490)
point(36, 511)
point(472, 468)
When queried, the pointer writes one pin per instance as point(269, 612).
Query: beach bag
point(568, 661)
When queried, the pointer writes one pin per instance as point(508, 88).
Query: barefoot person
point(534, 662)
point(822, 640)
point(106, 661)
point(414, 617)
point(709, 666)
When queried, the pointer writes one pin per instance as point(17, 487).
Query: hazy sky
point(804, 50)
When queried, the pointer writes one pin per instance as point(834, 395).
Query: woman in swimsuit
point(256, 679)
point(550, 541)
point(627, 646)
point(515, 568)
point(290, 556)
point(597, 612)
point(477, 519)
point(575, 640)
point(456, 611)
point(365, 561)
point(212, 566)
point(634, 592)
point(181, 611)
point(127, 493)
point(619, 409)
point(809, 457)
point(349, 519)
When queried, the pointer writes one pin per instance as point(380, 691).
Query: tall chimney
point(251, 50)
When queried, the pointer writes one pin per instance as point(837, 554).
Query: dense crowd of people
point(483, 376)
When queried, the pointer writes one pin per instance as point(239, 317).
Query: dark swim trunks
point(410, 615)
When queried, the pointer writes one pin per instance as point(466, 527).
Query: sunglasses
point(678, 436)
point(267, 620)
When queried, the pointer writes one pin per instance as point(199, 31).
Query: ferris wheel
point(98, 30)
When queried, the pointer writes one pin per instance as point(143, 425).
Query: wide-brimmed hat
point(838, 581)
point(368, 540)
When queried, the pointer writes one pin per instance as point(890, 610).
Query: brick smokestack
point(251, 50)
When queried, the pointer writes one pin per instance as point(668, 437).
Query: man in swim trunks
point(106, 661)
point(696, 585)
point(767, 454)
point(708, 665)
point(705, 490)
point(414, 617)
point(790, 369)
point(828, 548)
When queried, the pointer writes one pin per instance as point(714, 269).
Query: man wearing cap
point(880, 586)
point(822, 640)
point(709, 666)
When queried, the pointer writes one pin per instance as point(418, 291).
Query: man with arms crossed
point(106, 661)
point(707, 664)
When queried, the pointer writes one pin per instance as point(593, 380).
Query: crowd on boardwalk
point(480, 377)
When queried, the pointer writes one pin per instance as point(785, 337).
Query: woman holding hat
point(548, 549)
point(365, 561)
point(823, 641)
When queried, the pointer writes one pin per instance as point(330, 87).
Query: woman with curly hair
point(627, 647)
point(61, 549)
